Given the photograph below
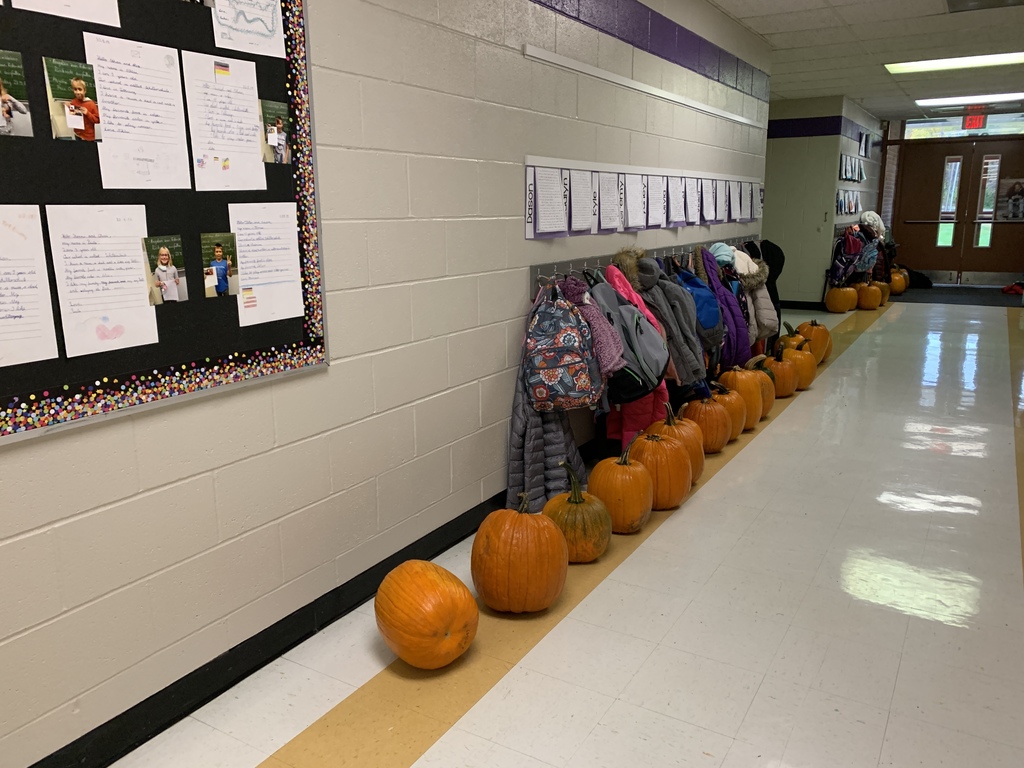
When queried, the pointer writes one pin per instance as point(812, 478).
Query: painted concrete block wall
point(135, 550)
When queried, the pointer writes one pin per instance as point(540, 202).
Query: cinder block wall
point(134, 550)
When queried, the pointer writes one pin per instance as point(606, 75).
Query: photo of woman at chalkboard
point(71, 90)
point(15, 119)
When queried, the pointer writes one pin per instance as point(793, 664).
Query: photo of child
point(71, 92)
point(15, 119)
point(219, 258)
point(274, 142)
point(166, 269)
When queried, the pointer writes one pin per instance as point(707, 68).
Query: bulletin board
point(87, 208)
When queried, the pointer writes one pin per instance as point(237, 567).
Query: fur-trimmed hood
point(751, 281)
point(627, 261)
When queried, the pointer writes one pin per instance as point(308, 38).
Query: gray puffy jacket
point(674, 307)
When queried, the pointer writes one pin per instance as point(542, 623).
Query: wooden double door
point(958, 214)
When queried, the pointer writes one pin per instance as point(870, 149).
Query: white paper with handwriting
point(269, 273)
point(97, 11)
point(225, 122)
point(139, 86)
point(26, 315)
point(250, 26)
point(102, 285)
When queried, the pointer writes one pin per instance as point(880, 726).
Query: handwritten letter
point(250, 26)
point(101, 277)
point(26, 316)
point(139, 86)
point(611, 217)
point(721, 200)
point(707, 199)
point(550, 201)
point(224, 119)
point(636, 201)
point(656, 201)
point(676, 198)
point(269, 275)
point(582, 200)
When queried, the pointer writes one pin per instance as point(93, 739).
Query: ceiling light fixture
point(954, 101)
point(960, 62)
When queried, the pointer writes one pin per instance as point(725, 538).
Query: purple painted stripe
point(633, 22)
point(801, 127)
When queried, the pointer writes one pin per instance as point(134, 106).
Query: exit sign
point(974, 122)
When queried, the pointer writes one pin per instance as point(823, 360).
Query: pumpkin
point(785, 372)
point(583, 519)
point(686, 432)
point(425, 614)
point(806, 365)
point(818, 336)
point(884, 288)
point(736, 406)
point(869, 297)
point(789, 340)
point(839, 300)
point(767, 381)
point(669, 464)
point(714, 422)
point(906, 276)
point(519, 560)
point(626, 489)
point(748, 385)
point(898, 284)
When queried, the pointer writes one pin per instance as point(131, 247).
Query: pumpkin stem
point(790, 329)
point(653, 438)
point(575, 492)
point(524, 503)
point(756, 363)
point(670, 419)
point(800, 346)
point(721, 388)
point(624, 458)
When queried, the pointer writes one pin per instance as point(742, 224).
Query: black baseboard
point(814, 306)
point(117, 737)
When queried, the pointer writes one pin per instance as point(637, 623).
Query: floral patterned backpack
point(559, 367)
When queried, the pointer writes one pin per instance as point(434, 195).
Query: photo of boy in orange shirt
point(71, 91)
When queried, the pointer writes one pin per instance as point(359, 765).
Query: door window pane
point(948, 202)
point(988, 187)
point(984, 236)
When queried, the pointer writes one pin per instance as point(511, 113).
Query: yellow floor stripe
point(398, 714)
point(1015, 327)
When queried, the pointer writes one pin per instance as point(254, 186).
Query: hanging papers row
point(562, 202)
point(847, 202)
point(250, 26)
point(851, 168)
point(104, 276)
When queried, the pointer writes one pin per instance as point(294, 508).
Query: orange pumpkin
point(736, 406)
point(714, 422)
point(884, 288)
point(767, 381)
point(786, 377)
point(898, 284)
point(519, 560)
point(669, 464)
point(425, 614)
point(686, 432)
point(869, 297)
point(839, 300)
point(906, 276)
point(806, 365)
point(748, 385)
point(789, 340)
point(818, 336)
point(583, 519)
point(626, 488)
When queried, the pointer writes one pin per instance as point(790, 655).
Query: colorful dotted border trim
point(107, 394)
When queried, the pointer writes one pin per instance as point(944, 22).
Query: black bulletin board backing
point(202, 346)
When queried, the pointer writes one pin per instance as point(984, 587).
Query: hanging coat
point(736, 350)
point(675, 308)
point(763, 321)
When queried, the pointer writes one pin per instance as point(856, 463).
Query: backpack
point(845, 254)
point(559, 368)
point(709, 314)
point(643, 348)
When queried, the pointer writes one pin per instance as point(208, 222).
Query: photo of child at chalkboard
point(167, 272)
point(219, 258)
point(71, 91)
point(15, 119)
point(274, 142)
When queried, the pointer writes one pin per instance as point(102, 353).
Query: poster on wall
point(1010, 202)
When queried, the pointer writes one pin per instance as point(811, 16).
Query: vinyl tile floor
point(845, 593)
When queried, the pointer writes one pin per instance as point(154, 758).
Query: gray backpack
point(643, 348)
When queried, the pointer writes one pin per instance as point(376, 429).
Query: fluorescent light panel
point(960, 62)
point(966, 101)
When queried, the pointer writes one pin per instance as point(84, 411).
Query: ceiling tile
point(878, 11)
point(792, 22)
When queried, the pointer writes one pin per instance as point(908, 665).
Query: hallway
point(845, 592)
